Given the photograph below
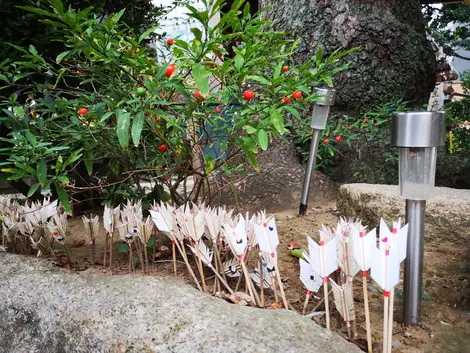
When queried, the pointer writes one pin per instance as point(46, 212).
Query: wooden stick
point(217, 274)
point(320, 302)
point(111, 251)
point(201, 269)
point(173, 251)
point(273, 285)
point(261, 281)
point(92, 247)
point(105, 249)
point(254, 291)
point(146, 259)
point(390, 320)
point(346, 313)
point(307, 298)
point(327, 308)
point(247, 279)
point(366, 307)
point(385, 334)
point(182, 251)
point(281, 287)
point(353, 322)
point(131, 259)
point(239, 281)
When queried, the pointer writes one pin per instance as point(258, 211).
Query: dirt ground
point(445, 324)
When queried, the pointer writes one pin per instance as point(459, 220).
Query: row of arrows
point(224, 242)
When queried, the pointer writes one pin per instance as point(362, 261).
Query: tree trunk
point(395, 59)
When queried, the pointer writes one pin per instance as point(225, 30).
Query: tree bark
point(395, 59)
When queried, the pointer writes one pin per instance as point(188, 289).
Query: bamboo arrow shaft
point(327, 308)
point(390, 320)
point(247, 279)
point(366, 306)
point(190, 270)
point(385, 334)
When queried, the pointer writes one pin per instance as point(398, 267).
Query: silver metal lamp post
point(319, 117)
point(417, 136)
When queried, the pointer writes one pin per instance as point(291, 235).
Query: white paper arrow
point(309, 277)
point(267, 237)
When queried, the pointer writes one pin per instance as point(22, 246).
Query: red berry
point(170, 42)
point(340, 123)
point(248, 94)
point(285, 68)
point(326, 141)
point(170, 69)
point(286, 100)
point(366, 121)
point(83, 111)
point(217, 110)
point(297, 95)
point(199, 97)
point(338, 139)
point(162, 148)
point(311, 132)
point(350, 127)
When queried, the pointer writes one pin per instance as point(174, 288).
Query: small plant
point(108, 115)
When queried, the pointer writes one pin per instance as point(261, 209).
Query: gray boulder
point(447, 213)
point(45, 309)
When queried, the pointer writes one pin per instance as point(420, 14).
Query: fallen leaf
point(78, 243)
point(277, 305)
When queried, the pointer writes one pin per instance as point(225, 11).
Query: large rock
point(46, 309)
point(447, 213)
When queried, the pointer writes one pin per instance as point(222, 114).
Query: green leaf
point(319, 56)
point(263, 139)
point(41, 172)
point(201, 77)
point(239, 61)
point(277, 120)
point(123, 247)
point(33, 50)
point(63, 179)
point(31, 138)
point(259, 79)
point(122, 128)
point(249, 129)
point(33, 189)
point(150, 243)
point(293, 111)
point(63, 198)
point(61, 56)
point(137, 127)
point(118, 16)
point(146, 33)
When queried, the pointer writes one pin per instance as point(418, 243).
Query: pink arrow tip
point(394, 230)
point(361, 234)
point(273, 255)
point(322, 242)
point(265, 225)
point(240, 257)
point(387, 252)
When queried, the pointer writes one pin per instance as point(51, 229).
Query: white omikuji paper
point(329, 264)
point(385, 269)
point(344, 247)
point(236, 236)
point(397, 241)
point(267, 236)
point(362, 247)
point(343, 296)
point(195, 226)
point(160, 222)
point(309, 277)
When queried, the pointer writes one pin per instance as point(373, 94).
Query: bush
point(107, 114)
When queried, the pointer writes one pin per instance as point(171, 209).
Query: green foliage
point(465, 77)
point(458, 126)
point(364, 146)
point(449, 25)
point(141, 125)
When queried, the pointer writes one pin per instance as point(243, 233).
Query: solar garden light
point(417, 136)
point(319, 117)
